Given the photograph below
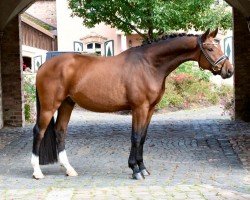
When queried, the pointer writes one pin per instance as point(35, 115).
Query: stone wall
point(1, 105)
point(242, 67)
point(11, 68)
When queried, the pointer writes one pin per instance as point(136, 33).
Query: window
point(90, 46)
point(97, 45)
point(94, 48)
point(27, 64)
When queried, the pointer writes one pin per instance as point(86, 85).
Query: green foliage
point(173, 100)
point(27, 112)
point(186, 89)
point(29, 97)
point(225, 91)
point(191, 68)
point(153, 17)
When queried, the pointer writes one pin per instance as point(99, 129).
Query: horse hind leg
point(45, 142)
point(64, 113)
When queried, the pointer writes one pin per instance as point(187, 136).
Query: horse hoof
point(145, 172)
point(72, 173)
point(138, 176)
point(38, 176)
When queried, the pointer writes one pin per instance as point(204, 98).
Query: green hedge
point(188, 87)
point(29, 97)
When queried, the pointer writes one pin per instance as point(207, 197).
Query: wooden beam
point(11, 8)
point(35, 26)
point(242, 5)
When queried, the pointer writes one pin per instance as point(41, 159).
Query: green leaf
point(149, 16)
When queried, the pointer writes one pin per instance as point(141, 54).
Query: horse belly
point(101, 99)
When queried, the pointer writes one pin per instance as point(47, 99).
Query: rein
point(215, 65)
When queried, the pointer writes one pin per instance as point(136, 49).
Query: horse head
point(211, 57)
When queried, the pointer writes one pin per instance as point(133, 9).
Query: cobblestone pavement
point(195, 154)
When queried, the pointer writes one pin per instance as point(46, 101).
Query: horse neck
point(167, 55)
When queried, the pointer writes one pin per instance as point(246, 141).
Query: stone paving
point(196, 154)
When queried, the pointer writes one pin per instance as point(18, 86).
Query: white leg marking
point(63, 159)
point(35, 163)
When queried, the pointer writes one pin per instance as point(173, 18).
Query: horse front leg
point(140, 162)
point(139, 126)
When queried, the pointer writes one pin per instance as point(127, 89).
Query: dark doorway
point(26, 63)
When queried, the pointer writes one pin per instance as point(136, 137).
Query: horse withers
point(134, 79)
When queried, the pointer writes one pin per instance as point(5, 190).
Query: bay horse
point(134, 79)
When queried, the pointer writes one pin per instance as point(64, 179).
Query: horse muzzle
point(227, 71)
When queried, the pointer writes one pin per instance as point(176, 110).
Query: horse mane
point(167, 37)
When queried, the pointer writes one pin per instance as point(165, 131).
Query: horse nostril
point(230, 72)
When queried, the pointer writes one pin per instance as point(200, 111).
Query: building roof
point(38, 21)
point(36, 26)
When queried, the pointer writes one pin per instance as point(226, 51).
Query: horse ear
point(214, 33)
point(204, 35)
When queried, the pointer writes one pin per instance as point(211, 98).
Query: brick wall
point(12, 94)
point(1, 105)
point(242, 67)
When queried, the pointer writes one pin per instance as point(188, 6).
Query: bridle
point(215, 64)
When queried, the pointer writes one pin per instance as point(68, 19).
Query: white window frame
point(94, 49)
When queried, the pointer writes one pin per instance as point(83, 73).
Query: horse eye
point(217, 40)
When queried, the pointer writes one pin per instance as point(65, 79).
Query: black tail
point(48, 153)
